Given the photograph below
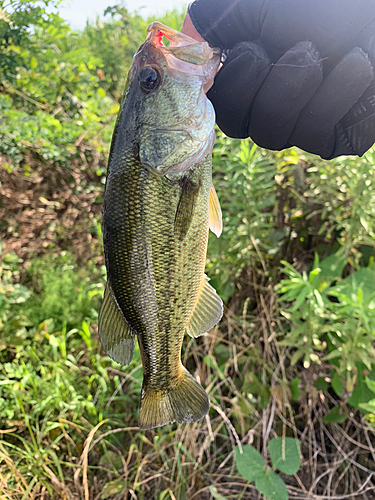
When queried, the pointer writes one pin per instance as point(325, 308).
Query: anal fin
point(207, 311)
point(115, 334)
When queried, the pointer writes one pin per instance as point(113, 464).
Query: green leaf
point(296, 356)
point(33, 63)
point(337, 384)
point(11, 258)
point(86, 329)
point(209, 361)
point(300, 299)
point(336, 415)
point(271, 486)
point(216, 494)
point(285, 454)
point(19, 294)
point(314, 273)
point(111, 459)
point(255, 386)
point(363, 279)
point(164, 494)
point(361, 394)
point(331, 269)
point(295, 390)
point(370, 384)
point(364, 224)
point(318, 298)
point(321, 384)
point(114, 109)
point(113, 488)
point(368, 407)
point(250, 463)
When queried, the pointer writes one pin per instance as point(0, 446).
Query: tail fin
point(185, 401)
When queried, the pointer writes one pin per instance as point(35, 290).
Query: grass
point(68, 414)
point(293, 355)
point(55, 280)
point(81, 440)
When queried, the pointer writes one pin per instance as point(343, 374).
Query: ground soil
point(50, 208)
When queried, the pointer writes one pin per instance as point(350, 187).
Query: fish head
point(174, 119)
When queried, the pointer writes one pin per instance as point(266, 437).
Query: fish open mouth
point(180, 45)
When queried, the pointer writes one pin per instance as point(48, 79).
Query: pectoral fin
point(185, 208)
point(115, 334)
point(214, 211)
point(207, 311)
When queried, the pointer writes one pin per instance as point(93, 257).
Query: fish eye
point(149, 78)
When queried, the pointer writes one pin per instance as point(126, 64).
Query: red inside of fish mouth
point(159, 38)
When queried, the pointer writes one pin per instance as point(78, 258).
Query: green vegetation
point(285, 456)
point(290, 370)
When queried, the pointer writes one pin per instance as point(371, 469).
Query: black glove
point(297, 72)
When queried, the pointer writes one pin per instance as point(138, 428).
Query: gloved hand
point(297, 72)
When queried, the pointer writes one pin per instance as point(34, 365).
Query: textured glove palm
point(297, 72)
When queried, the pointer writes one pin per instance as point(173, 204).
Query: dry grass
point(195, 461)
point(192, 461)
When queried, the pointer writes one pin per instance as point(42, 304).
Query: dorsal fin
point(214, 211)
point(115, 334)
point(207, 311)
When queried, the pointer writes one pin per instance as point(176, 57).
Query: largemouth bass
point(159, 203)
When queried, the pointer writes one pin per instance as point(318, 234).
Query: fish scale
point(147, 227)
point(155, 226)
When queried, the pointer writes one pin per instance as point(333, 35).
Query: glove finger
point(224, 24)
point(355, 133)
point(289, 86)
point(315, 129)
point(235, 86)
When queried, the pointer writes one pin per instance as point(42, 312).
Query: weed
point(61, 291)
point(285, 456)
point(297, 363)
